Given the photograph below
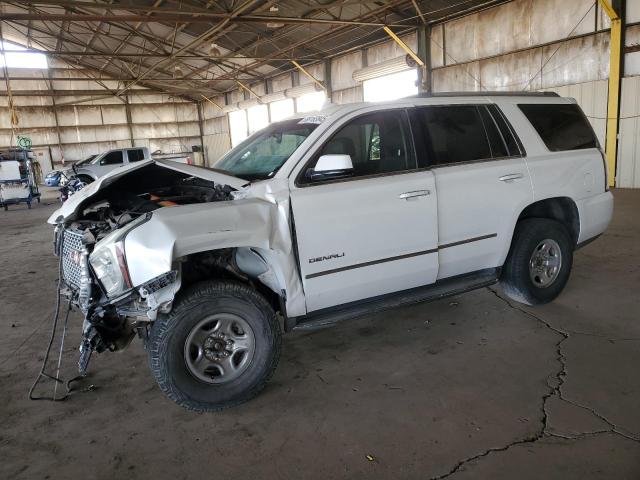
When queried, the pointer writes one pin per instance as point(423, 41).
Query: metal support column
point(55, 116)
point(327, 79)
point(424, 52)
point(615, 73)
point(200, 126)
point(129, 121)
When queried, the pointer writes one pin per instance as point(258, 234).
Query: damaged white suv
point(314, 219)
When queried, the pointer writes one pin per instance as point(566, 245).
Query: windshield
point(86, 160)
point(261, 155)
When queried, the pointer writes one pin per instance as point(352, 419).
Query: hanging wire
point(54, 326)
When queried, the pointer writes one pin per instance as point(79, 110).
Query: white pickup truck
point(315, 219)
point(96, 166)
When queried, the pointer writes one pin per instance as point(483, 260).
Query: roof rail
point(487, 94)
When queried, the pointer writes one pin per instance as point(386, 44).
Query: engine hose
point(43, 374)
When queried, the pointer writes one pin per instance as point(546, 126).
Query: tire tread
point(515, 281)
point(163, 327)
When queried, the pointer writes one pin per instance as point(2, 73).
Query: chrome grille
point(72, 257)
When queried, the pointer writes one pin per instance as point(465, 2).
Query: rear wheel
point(539, 262)
point(217, 348)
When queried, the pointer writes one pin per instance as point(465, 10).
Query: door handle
point(413, 194)
point(510, 177)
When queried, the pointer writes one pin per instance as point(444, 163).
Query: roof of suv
point(460, 97)
point(330, 109)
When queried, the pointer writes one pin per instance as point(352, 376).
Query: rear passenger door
point(481, 179)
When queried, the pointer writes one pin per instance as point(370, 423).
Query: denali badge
point(326, 257)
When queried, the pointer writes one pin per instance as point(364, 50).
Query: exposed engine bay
point(143, 192)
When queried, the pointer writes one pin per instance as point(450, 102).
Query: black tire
point(516, 279)
point(166, 345)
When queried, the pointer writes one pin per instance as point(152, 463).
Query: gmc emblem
point(75, 256)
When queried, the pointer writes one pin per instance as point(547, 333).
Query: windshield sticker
point(315, 119)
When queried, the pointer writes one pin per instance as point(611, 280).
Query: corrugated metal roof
point(204, 46)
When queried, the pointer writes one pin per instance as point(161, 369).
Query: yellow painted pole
point(248, 89)
point(314, 79)
point(404, 46)
point(211, 101)
point(613, 106)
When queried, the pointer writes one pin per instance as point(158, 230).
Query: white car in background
point(96, 166)
point(315, 219)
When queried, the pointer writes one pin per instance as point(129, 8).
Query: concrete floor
point(468, 387)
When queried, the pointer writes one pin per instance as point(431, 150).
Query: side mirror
point(331, 166)
point(103, 162)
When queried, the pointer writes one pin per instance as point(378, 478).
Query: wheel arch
point(253, 266)
point(561, 209)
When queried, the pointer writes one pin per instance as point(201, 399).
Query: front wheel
point(539, 262)
point(217, 348)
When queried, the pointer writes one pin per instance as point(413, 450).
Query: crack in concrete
point(556, 389)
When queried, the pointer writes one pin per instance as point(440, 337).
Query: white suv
point(314, 219)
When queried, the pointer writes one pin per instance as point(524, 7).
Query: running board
point(429, 293)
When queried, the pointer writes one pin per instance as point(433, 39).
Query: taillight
point(189, 161)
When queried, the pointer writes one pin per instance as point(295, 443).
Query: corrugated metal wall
point(628, 165)
point(522, 45)
point(159, 122)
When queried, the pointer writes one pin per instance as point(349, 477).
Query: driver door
point(108, 162)
point(373, 230)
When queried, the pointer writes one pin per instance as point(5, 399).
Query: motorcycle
point(72, 185)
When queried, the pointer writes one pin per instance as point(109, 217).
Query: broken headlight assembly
point(109, 262)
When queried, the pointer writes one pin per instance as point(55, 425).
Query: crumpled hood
point(69, 207)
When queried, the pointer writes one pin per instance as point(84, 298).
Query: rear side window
point(112, 158)
point(514, 147)
point(135, 155)
point(561, 126)
point(455, 134)
point(496, 142)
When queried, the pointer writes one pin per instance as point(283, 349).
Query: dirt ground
point(468, 387)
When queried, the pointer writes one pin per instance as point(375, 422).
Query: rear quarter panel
point(577, 174)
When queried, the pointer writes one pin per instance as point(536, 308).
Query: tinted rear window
point(513, 143)
point(453, 133)
point(496, 142)
point(135, 155)
point(561, 126)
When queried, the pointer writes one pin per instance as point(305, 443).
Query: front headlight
point(109, 261)
point(110, 266)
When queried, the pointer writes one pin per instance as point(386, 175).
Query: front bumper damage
point(109, 323)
